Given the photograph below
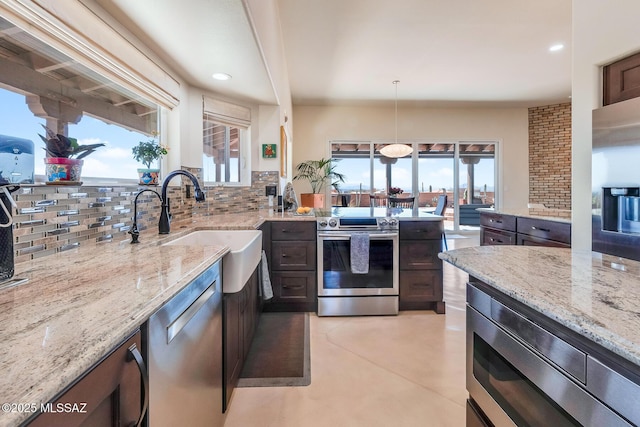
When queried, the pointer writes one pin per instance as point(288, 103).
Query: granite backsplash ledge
point(55, 218)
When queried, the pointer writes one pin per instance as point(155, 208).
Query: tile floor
point(400, 371)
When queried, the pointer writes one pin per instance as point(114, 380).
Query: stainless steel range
point(343, 289)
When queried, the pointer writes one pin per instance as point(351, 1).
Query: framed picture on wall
point(283, 152)
point(269, 151)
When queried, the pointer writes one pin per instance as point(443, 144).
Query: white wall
point(603, 31)
point(316, 125)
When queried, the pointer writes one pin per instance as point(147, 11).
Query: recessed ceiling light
point(221, 76)
point(556, 47)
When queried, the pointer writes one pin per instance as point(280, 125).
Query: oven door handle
point(346, 236)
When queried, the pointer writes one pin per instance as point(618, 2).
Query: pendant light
point(396, 150)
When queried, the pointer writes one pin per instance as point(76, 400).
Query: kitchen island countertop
point(595, 295)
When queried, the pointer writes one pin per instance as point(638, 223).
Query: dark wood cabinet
point(292, 265)
point(293, 255)
point(111, 390)
point(241, 316)
point(420, 267)
point(540, 229)
point(621, 80)
point(499, 229)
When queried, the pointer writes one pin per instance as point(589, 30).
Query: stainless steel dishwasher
point(184, 352)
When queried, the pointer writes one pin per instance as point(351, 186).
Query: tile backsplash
point(55, 218)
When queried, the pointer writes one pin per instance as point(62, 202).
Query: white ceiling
point(443, 52)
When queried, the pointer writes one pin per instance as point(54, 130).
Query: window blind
point(226, 113)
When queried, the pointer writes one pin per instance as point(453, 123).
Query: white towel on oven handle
point(360, 253)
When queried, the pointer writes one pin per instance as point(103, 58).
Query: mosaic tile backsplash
point(55, 218)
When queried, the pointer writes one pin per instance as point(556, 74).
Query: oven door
point(515, 386)
point(334, 265)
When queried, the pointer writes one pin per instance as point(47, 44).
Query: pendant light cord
point(395, 82)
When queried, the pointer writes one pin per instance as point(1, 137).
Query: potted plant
point(148, 152)
point(318, 173)
point(394, 191)
point(64, 160)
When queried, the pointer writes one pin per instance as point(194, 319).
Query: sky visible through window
point(437, 173)
point(114, 160)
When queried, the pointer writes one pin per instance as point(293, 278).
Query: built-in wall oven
point(520, 374)
point(343, 292)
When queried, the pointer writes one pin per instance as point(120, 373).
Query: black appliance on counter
point(615, 179)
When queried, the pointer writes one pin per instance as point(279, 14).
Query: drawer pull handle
point(284, 255)
point(546, 230)
point(292, 287)
point(497, 221)
point(134, 354)
point(495, 240)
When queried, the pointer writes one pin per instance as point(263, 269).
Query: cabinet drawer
point(293, 230)
point(421, 229)
point(293, 286)
point(527, 240)
point(498, 221)
point(418, 286)
point(550, 230)
point(489, 237)
point(293, 255)
point(419, 255)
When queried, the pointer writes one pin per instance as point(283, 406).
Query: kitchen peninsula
point(588, 302)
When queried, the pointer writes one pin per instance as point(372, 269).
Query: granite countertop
point(559, 215)
point(595, 295)
point(79, 304)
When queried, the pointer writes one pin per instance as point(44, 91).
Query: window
point(452, 168)
point(53, 89)
point(225, 142)
point(114, 160)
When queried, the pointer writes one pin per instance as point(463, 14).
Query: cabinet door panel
point(417, 286)
point(293, 230)
point(111, 391)
point(621, 80)
point(498, 221)
point(293, 255)
point(525, 240)
point(419, 254)
point(294, 286)
point(550, 230)
point(421, 230)
point(489, 236)
point(233, 339)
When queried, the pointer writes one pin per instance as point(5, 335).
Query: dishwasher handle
point(134, 354)
point(181, 321)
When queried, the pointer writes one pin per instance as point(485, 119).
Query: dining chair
point(401, 202)
point(377, 200)
point(440, 208)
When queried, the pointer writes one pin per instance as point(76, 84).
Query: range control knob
point(333, 223)
point(384, 222)
point(393, 222)
point(322, 223)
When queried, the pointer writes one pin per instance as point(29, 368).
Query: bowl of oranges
point(302, 210)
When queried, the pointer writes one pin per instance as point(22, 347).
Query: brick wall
point(55, 218)
point(550, 155)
